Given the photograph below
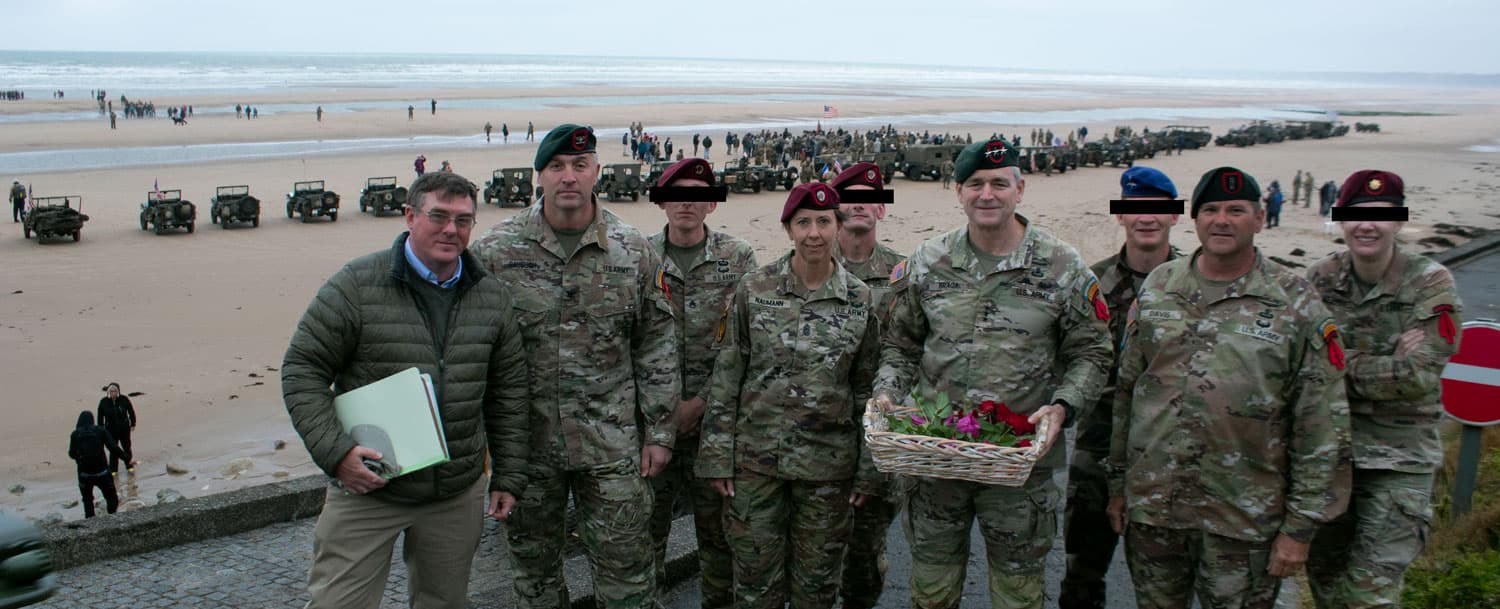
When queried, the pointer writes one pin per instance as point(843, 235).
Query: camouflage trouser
point(1089, 539)
point(708, 519)
point(1360, 558)
point(1017, 525)
point(613, 510)
point(865, 564)
point(788, 538)
point(1169, 565)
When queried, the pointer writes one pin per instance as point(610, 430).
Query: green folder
point(398, 417)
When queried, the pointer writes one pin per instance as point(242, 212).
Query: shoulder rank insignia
point(1330, 333)
point(1445, 322)
point(1092, 296)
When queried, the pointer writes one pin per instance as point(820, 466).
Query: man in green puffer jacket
point(426, 302)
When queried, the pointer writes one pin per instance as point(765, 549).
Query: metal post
point(1468, 470)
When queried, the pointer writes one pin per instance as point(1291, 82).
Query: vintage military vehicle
point(741, 177)
point(1193, 136)
point(621, 180)
point(510, 185)
point(888, 161)
point(786, 178)
point(50, 217)
point(1047, 159)
point(657, 169)
point(1092, 154)
point(926, 160)
point(382, 196)
point(233, 204)
point(1367, 127)
point(1119, 152)
point(165, 210)
point(309, 200)
point(1340, 129)
point(26, 577)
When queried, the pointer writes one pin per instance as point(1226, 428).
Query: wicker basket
point(914, 455)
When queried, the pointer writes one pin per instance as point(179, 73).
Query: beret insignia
point(1232, 182)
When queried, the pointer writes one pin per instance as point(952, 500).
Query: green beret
point(564, 139)
point(1225, 184)
point(992, 154)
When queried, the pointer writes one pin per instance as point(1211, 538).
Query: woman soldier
point(1397, 313)
point(781, 436)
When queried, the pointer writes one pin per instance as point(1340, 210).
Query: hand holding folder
point(398, 417)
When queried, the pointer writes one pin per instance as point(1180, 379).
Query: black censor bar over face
point(1359, 213)
point(689, 194)
point(1146, 206)
point(866, 197)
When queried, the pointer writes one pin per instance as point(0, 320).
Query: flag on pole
point(837, 166)
point(830, 111)
point(155, 189)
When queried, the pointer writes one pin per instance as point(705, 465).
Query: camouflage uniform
point(699, 296)
point(601, 346)
point(865, 564)
point(1025, 333)
point(783, 416)
point(1230, 427)
point(1087, 534)
point(1358, 560)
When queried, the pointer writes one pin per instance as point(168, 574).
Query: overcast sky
point(1075, 35)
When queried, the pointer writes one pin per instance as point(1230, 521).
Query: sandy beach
point(196, 324)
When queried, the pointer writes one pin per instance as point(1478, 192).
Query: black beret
point(564, 139)
point(1369, 185)
point(812, 195)
point(991, 154)
point(1224, 184)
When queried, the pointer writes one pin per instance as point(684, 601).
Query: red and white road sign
point(1471, 380)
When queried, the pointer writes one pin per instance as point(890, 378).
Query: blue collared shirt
point(426, 273)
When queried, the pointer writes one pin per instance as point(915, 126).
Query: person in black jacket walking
point(87, 447)
point(117, 416)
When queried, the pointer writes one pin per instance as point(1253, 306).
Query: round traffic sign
point(1471, 380)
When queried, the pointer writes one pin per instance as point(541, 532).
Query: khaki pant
point(354, 537)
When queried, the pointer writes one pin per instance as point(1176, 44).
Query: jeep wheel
point(635, 196)
point(364, 208)
point(255, 221)
point(306, 217)
point(143, 223)
point(77, 235)
point(333, 217)
point(214, 218)
point(289, 210)
point(190, 227)
point(159, 229)
point(27, 231)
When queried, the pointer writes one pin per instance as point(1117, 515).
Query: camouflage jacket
point(1230, 415)
point(875, 271)
point(1393, 401)
point(1025, 333)
point(700, 301)
point(790, 386)
point(1118, 284)
point(599, 337)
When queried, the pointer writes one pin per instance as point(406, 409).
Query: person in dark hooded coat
point(87, 448)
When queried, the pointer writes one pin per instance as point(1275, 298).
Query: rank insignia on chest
point(1092, 296)
point(1330, 334)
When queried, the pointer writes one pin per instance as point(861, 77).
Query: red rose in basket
point(990, 422)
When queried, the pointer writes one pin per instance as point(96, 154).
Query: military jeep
point(233, 204)
point(382, 195)
point(742, 178)
point(1193, 136)
point(165, 209)
point(309, 200)
point(888, 162)
point(657, 169)
point(54, 217)
point(26, 577)
point(786, 178)
point(926, 160)
point(621, 180)
point(510, 185)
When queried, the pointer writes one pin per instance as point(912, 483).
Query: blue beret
point(1141, 181)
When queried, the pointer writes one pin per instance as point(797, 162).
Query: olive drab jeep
point(50, 217)
point(621, 180)
point(232, 204)
point(926, 160)
point(165, 209)
point(382, 196)
point(510, 185)
point(1193, 136)
point(309, 200)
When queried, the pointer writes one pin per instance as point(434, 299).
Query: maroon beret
point(859, 174)
point(812, 195)
point(1368, 185)
point(687, 169)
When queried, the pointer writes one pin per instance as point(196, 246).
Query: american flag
point(155, 189)
point(830, 111)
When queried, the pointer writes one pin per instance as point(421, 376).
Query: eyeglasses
point(440, 219)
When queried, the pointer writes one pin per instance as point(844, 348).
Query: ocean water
point(154, 74)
